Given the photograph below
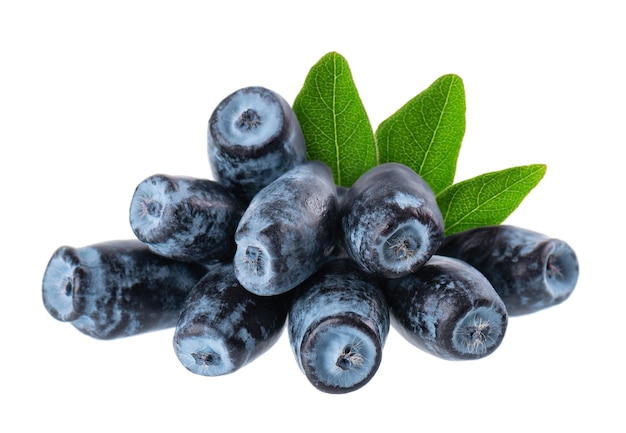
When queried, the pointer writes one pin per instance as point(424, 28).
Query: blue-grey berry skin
point(338, 323)
point(116, 288)
point(529, 270)
point(339, 251)
point(448, 309)
point(186, 218)
point(223, 327)
point(342, 191)
point(287, 231)
point(390, 221)
point(253, 137)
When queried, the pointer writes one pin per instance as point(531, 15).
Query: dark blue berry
point(448, 309)
point(185, 218)
point(116, 288)
point(529, 270)
point(253, 137)
point(337, 325)
point(288, 230)
point(390, 221)
point(223, 327)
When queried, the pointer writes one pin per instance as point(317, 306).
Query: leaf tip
point(541, 168)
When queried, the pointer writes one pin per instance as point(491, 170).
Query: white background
point(96, 96)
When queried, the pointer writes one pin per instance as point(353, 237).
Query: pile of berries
point(272, 243)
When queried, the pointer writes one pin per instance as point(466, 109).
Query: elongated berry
point(223, 327)
point(529, 270)
point(338, 324)
point(288, 230)
point(186, 218)
point(448, 309)
point(390, 221)
point(253, 137)
point(116, 288)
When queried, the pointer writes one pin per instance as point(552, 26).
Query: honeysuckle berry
point(391, 224)
point(186, 218)
point(530, 271)
point(338, 324)
point(223, 327)
point(287, 231)
point(253, 137)
point(448, 309)
point(116, 288)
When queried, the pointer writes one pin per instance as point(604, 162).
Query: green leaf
point(487, 199)
point(334, 122)
point(426, 133)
